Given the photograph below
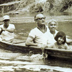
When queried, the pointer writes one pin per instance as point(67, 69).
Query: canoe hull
point(19, 48)
point(26, 49)
point(59, 53)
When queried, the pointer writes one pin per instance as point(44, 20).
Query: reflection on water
point(21, 62)
point(52, 61)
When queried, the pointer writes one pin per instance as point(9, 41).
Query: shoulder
point(47, 27)
point(11, 25)
point(32, 33)
point(56, 31)
point(34, 30)
point(1, 25)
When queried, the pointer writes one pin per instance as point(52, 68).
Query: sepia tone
point(22, 14)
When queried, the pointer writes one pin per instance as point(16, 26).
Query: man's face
point(6, 22)
point(40, 19)
point(52, 26)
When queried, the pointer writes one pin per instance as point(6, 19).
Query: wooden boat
point(20, 47)
point(60, 53)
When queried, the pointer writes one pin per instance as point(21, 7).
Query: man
point(38, 36)
point(7, 29)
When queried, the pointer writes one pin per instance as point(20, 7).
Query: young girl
point(60, 41)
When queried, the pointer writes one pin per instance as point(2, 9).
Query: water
point(66, 27)
point(20, 62)
point(24, 29)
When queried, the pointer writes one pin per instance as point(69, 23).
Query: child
point(60, 41)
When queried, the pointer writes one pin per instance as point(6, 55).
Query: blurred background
point(31, 7)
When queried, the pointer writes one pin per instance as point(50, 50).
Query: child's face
point(60, 40)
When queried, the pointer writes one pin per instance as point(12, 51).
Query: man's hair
point(35, 16)
point(61, 34)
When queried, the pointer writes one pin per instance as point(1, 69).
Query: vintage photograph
point(35, 36)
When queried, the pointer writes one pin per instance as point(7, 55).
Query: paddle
point(16, 41)
point(43, 51)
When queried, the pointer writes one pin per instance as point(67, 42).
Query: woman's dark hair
point(61, 34)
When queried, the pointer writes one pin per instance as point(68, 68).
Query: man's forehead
point(39, 15)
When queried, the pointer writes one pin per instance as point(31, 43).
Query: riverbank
point(25, 19)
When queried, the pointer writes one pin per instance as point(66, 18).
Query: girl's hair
point(61, 34)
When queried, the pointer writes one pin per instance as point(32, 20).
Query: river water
point(21, 62)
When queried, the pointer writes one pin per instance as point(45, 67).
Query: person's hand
point(42, 45)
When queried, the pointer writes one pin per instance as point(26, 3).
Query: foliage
point(36, 8)
point(51, 7)
point(54, 7)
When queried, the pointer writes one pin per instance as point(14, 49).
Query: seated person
point(52, 25)
point(60, 41)
point(38, 36)
point(7, 29)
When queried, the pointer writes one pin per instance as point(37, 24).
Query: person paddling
point(7, 29)
point(39, 35)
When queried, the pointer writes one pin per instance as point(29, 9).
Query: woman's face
point(52, 26)
point(60, 40)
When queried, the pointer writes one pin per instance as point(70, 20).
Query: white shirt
point(6, 35)
point(51, 39)
point(38, 36)
point(11, 27)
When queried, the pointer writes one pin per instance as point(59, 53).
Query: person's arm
point(30, 39)
point(68, 40)
point(29, 42)
point(67, 47)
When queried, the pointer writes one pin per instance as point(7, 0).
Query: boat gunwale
point(35, 47)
